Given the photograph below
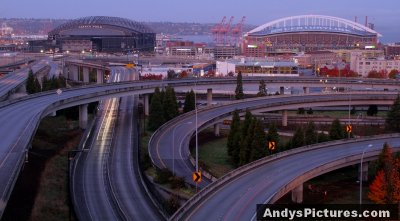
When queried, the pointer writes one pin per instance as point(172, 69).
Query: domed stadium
point(103, 34)
point(307, 33)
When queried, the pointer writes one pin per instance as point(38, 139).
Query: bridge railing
point(208, 190)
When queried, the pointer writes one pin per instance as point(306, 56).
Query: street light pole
point(197, 140)
point(173, 145)
point(361, 170)
point(349, 114)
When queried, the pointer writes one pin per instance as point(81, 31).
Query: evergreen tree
point(353, 110)
point(336, 131)
point(310, 133)
point(301, 111)
point(234, 131)
point(298, 138)
point(372, 110)
point(239, 138)
point(393, 116)
point(36, 86)
point(273, 136)
point(189, 102)
point(170, 104)
point(156, 115)
point(239, 87)
point(262, 90)
point(245, 144)
point(322, 137)
point(310, 111)
point(46, 84)
point(62, 81)
point(30, 83)
point(258, 146)
point(54, 83)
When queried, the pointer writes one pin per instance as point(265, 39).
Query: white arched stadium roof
point(313, 23)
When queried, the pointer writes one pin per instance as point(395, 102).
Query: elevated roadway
point(234, 196)
point(16, 79)
point(19, 118)
point(106, 181)
point(180, 129)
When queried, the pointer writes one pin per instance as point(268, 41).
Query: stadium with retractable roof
point(103, 34)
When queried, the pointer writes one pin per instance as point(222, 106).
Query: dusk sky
point(383, 13)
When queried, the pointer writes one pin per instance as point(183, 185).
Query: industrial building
point(101, 34)
point(257, 68)
point(307, 33)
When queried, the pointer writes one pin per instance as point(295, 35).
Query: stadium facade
point(307, 33)
point(102, 34)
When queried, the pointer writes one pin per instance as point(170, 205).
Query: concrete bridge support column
point(99, 76)
point(284, 118)
point(364, 172)
point(65, 71)
point(282, 90)
point(306, 90)
point(83, 116)
point(74, 72)
point(146, 104)
point(297, 194)
point(209, 96)
point(85, 74)
point(216, 130)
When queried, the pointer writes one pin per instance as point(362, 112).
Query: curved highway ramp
point(106, 184)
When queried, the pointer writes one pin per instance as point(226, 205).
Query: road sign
point(130, 65)
point(197, 177)
point(349, 128)
point(58, 91)
point(271, 145)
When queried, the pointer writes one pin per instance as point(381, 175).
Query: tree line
point(247, 140)
point(164, 106)
point(385, 188)
point(33, 85)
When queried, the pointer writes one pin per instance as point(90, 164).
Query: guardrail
point(205, 192)
point(263, 105)
point(21, 160)
point(125, 87)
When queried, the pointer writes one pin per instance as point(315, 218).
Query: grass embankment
point(340, 186)
point(213, 153)
point(337, 187)
point(151, 171)
point(41, 190)
point(51, 202)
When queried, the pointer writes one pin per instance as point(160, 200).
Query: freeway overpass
point(13, 81)
point(19, 118)
point(235, 195)
point(177, 158)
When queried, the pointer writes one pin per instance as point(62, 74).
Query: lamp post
point(173, 145)
point(361, 170)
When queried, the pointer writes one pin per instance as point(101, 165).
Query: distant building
point(225, 51)
point(392, 51)
point(364, 65)
point(316, 58)
point(307, 33)
point(253, 68)
point(346, 54)
point(184, 48)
